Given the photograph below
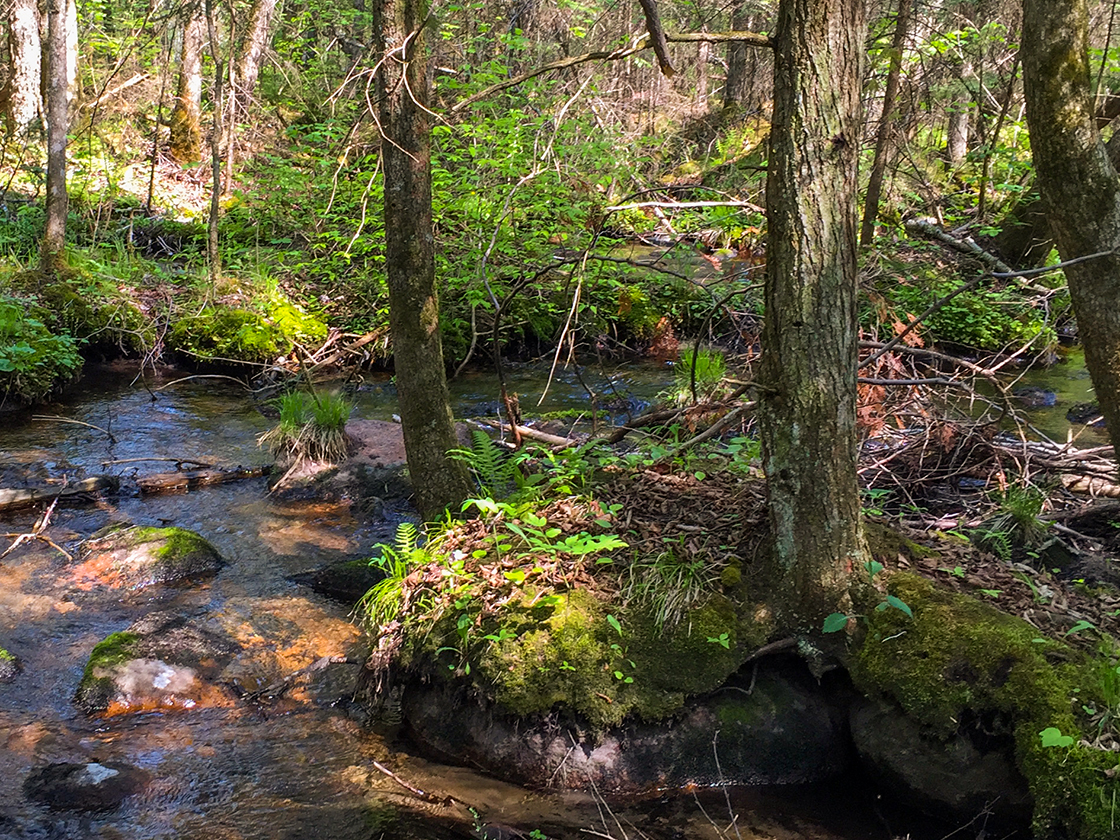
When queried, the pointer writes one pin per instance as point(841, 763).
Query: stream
point(304, 768)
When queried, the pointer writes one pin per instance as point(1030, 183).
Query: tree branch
point(639, 44)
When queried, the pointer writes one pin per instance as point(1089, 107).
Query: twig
point(75, 422)
point(204, 376)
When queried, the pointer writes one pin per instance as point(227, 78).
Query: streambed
point(304, 767)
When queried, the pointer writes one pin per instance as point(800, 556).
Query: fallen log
point(79, 491)
point(184, 480)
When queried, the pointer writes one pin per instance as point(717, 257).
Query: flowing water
point(303, 768)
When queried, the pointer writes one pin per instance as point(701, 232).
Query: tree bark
point(957, 133)
point(738, 82)
point(402, 86)
point(24, 89)
point(186, 115)
point(1077, 181)
point(257, 36)
point(885, 130)
point(58, 124)
point(213, 254)
point(809, 361)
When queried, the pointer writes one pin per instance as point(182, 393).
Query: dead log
point(184, 480)
point(79, 491)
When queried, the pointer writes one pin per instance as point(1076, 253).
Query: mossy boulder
point(961, 667)
point(259, 330)
point(161, 662)
point(588, 656)
point(134, 557)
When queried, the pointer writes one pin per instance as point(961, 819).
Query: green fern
point(495, 473)
point(384, 601)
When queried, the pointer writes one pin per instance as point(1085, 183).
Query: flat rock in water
point(945, 778)
point(133, 557)
point(84, 787)
point(785, 731)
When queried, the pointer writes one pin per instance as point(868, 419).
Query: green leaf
point(1079, 626)
point(1053, 737)
point(899, 604)
point(835, 622)
point(613, 622)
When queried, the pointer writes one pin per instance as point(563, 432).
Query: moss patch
point(567, 652)
point(960, 665)
point(96, 686)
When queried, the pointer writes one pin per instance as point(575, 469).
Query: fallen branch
point(181, 482)
point(534, 434)
point(29, 497)
point(74, 422)
point(36, 533)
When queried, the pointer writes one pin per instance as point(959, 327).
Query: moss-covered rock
point(96, 688)
point(960, 666)
point(9, 666)
point(258, 331)
point(602, 661)
point(134, 557)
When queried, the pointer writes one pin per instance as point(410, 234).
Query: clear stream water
point(303, 769)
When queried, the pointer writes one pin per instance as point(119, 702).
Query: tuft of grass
point(312, 427)
point(670, 586)
point(710, 367)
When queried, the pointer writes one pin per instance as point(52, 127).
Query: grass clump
point(704, 368)
point(312, 427)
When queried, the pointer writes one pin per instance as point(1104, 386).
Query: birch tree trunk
point(24, 89)
point(1079, 185)
point(809, 361)
point(257, 36)
point(402, 87)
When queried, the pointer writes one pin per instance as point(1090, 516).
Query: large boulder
point(133, 557)
point(947, 777)
point(778, 728)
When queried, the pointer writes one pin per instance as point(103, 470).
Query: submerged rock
point(1032, 396)
point(779, 729)
point(345, 582)
point(134, 557)
point(84, 787)
point(1086, 414)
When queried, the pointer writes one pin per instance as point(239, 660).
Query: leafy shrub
point(33, 361)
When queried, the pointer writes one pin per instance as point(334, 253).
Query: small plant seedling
point(614, 622)
point(1052, 737)
point(721, 639)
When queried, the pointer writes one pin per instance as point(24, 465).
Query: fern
point(495, 473)
point(384, 601)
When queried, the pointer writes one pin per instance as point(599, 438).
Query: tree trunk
point(71, 53)
point(1078, 183)
point(402, 87)
point(956, 140)
point(24, 89)
point(738, 81)
point(809, 361)
point(58, 123)
point(213, 254)
point(186, 116)
point(257, 36)
point(883, 136)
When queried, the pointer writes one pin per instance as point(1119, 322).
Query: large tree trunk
point(402, 93)
point(1078, 183)
point(885, 131)
point(957, 133)
point(58, 123)
point(257, 35)
point(186, 116)
point(24, 90)
point(809, 361)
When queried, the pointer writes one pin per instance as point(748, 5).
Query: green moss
point(270, 327)
point(96, 685)
point(569, 654)
point(5, 656)
point(886, 543)
point(960, 660)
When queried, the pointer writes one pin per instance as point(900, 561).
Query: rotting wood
point(79, 491)
point(181, 482)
